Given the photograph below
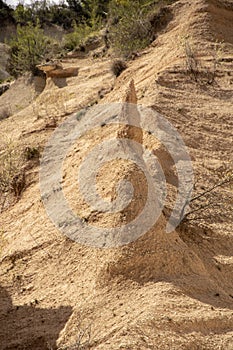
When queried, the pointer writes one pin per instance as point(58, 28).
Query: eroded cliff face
point(162, 290)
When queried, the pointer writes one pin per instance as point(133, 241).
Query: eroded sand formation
point(163, 291)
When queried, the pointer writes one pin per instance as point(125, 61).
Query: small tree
point(28, 48)
point(22, 14)
point(91, 11)
point(131, 29)
point(62, 15)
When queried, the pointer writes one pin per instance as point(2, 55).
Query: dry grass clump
point(5, 112)
point(118, 66)
point(83, 340)
point(12, 172)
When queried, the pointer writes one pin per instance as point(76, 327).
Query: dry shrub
point(12, 173)
point(32, 153)
point(118, 66)
point(210, 203)
point(83, 341)
point(5, 112)
point(196, 68)
point(192, 63)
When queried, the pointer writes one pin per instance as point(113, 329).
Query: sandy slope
point(163, 291)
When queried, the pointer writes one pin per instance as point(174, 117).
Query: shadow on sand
point(27, 327)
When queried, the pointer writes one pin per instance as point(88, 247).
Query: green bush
point(132, 23)
point(79, 35)
point(85, 8)
point(131, 29)
point(62, 15)
point(28, 48)
point(23, 14)
point(93, 11)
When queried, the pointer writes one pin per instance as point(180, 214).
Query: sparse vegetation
point(62, 14)
point(86, 28)
point(12, 173)
point(23, 14)
point(5, 112)
point(216, 60)
point(206, 198)
point(132, 24)
point(78, 36)
point(32, 153)
point(195, 68)
point(83, 341)
point(28, 49)
point(65, 260)
point(131, 29)
point(118, 66)
point(3, 240)
point(12, 169)
point(192, 63)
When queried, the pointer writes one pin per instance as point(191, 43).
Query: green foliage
point(28, 48)
point(32, 153)
point(95, 9)
point(22, 15)
point(36, 11)
point(79, 35)
point(40, 11)
point(131, 30)
point(62, 15)
point(91, 22)
point(92, 11)
point(46, 13)
point(84, 9)
point(76, 6)
point(132, 25)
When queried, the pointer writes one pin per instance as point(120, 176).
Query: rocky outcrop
point(56, 70)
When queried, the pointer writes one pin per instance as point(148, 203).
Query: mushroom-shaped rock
point(56, 70)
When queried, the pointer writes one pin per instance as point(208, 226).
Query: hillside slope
point(163, 291)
